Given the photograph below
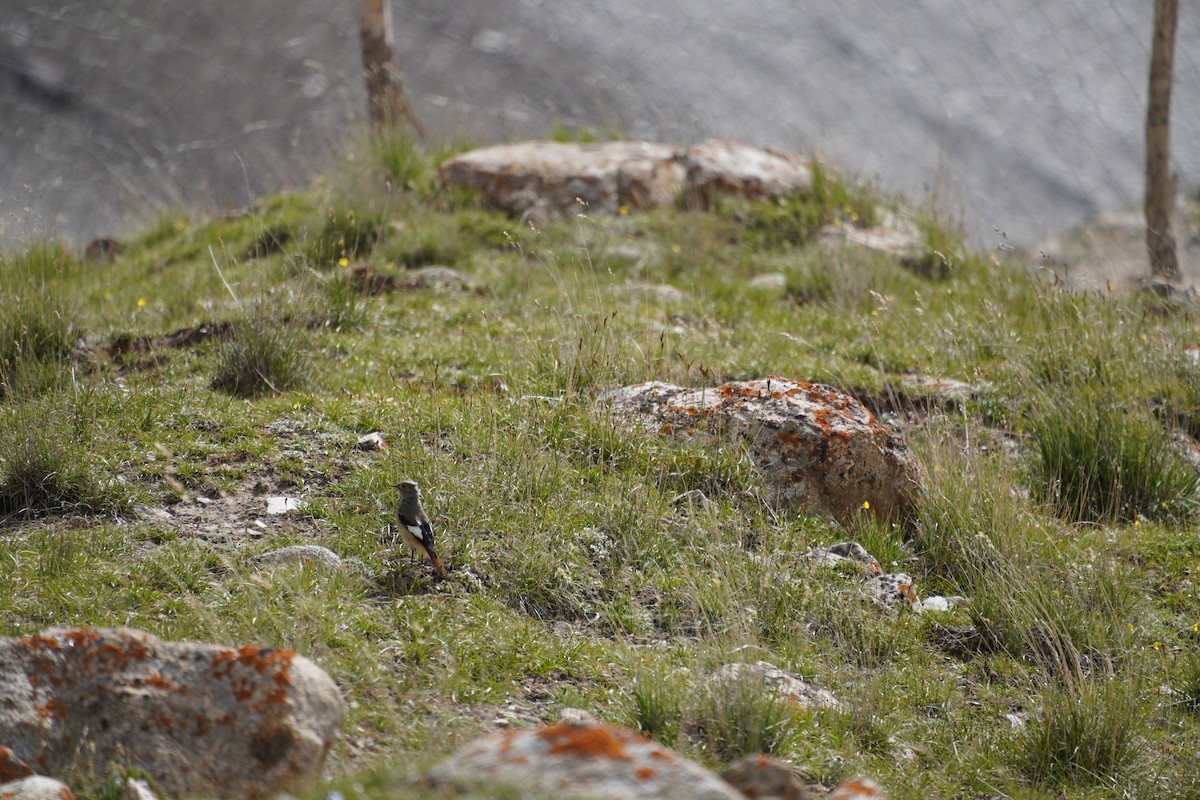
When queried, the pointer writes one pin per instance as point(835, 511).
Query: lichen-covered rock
point(816, 446)
point(858, 789)
point(543, 180)
point(893, 591)
point(36, 787)
point(198, 718)
point(727, 167)
point(594, 761)
point(11, 767)
point(557, 179)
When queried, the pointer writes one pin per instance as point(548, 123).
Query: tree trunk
point(387, 104)
point(1160, 184)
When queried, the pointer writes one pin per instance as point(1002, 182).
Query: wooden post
point(387, 104)
point(1160, 184)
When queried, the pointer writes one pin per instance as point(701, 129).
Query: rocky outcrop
point(544, 180)
point(816, 447)
point(594, 761)
point(198, 718)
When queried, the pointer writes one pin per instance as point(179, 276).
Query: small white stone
point(371, 441)
point(281, 505)
point(137, 790)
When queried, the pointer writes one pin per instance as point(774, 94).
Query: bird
point(414, 525)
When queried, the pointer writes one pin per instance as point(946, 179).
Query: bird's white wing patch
point(416, 531)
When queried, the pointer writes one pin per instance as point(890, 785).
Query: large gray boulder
point(816, 446)
point(593, 761)
point(198, 718)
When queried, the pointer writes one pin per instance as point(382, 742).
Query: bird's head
point(408, 489)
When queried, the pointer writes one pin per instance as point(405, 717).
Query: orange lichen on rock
point(108, 655)
point(81, 637)
point(11, 767)
point(37, 642)
point(858, 789)
point(586, 742)
point(159, 682)
point(260, 660)
point(51, 709)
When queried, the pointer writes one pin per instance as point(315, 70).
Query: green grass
point(266, 354)
point(596, 565)
point(37, 333)
point(1086, 732)
point(1097, 459)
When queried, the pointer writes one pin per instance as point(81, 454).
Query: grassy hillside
point(149, 405)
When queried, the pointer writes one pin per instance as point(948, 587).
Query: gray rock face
point(199, 718)
point(595, 761)
point(816, 446)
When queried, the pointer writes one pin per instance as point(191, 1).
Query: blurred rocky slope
point(1021, 117)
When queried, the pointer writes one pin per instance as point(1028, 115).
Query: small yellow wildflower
point(1156, 645)
point(866, 504)
point(623, 211)
point(676, 249)
point(343, 262)
point(296, 406)
point(1196, 627)
point(107, 294)
point(390, 265)
point(141, 302)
